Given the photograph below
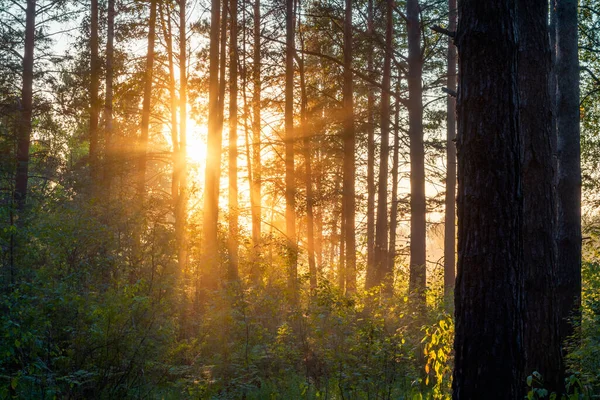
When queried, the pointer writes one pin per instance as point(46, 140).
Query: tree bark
point(488, 295)
point(213, 158)
point(290, 179)
point(24, 127)
point(569, 168)
point(541, 345)
point(418, 260)
point(371, 271)
point(256, 140)
point(349, 155)
point(389, 273)
point(450, 200)
point(233, 149)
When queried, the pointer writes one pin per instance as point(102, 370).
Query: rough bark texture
point(417, 280)
point(233, 242)
point(389, 275)
point(349, 155)
point(24, 127)
point(450, 201)
point(488, 343)
point(541, 346)
point(290, 184)
point(569, 168)
point(213, 158)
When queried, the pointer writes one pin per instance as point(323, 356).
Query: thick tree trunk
point(488, 295)
point(417, 281)
point(381, 228)
point(349, 156)
point(94, 98)
point(213, 158)
point(233, 242)
point(450, 201)
point(569, 168)
point(290, 179)
point(541, 345)
point(108, 101)
point(24, 127)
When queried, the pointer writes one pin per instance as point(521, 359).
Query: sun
point(196, 143)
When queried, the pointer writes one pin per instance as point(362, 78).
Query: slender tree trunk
point(488, 294)
point(342, 260)
point(381, 228)
point(233, 149)
point(256, 141)
point(24, 127)
point(418, 260)
point(450, 201)
point(145, 126)
point(371, 271)
point(182, 197)
point(569, 168)
point(108, 101)
point(389, 275)
point(290, 179)
point(94, 98)
point(306, 133)
point(213, 158)
point(541, 344)
point(349, 155)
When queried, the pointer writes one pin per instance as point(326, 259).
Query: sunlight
point(196, 143)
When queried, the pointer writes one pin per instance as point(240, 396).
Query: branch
point(450, 92)
point(443, 31)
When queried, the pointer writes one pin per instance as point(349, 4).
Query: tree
point(233, 150)
point(108, 99)
point(569, 167)
point(213, 160)
point(418, 260)
point(24, 126)
point(450, 208)
point(349, 156)
point(256, 128)
point(94, 95)
point(290, 184)
point(488, 350)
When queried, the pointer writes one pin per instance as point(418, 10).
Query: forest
point(300, 199)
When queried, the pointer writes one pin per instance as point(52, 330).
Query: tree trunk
point(233, 149)
point(94, 98)
point(182, 197)
point(569, 168)
point(145, 127)
point(371, 271)
point(450, 201)
point(306, 133)
point(389, 272)
point(213, 158)
point(381, 228)
point(256, 141)
point(290, 179)
point(541, 345)
point(349, 155)
point(488, 343)
point(108, 101)
point(417, 281)
point(24, 127)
